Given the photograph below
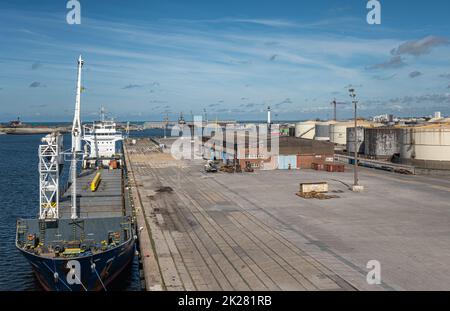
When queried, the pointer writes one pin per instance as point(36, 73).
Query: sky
point(232, 59)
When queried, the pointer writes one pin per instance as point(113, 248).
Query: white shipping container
point(320, 187)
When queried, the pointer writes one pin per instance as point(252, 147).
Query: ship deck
point(107, 201)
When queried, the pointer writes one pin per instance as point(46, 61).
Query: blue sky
point(232, 58)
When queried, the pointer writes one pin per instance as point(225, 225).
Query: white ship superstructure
point(101, 138)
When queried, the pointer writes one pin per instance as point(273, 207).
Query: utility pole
point(356, 187)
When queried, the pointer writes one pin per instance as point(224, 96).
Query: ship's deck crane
point(76, 141)
point(51, 159)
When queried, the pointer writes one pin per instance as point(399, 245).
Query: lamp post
point(356, 187)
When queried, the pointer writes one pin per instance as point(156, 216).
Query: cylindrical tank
point(291, 131)
point(351, 139)
point(338, 132)
point(382, 142)
point(322, 131)
point(305, 129)
point(425, 143)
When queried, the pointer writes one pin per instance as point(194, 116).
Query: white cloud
point(199, 65)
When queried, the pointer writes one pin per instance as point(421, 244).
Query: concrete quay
point(249, 231)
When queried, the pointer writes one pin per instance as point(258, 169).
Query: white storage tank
point(382, 142)
point(323, 130)
point(305, 129)
point(428, 143)
point(351, 139)
point(338, 132)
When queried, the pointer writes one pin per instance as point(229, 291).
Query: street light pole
point(356, 187)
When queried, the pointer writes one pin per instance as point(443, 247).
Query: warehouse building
point(293, 153)
point(300, 153)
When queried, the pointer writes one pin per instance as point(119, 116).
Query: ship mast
point(76, 141)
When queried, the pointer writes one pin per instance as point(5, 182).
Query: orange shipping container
point(113, 164)
point(335, 167)
point(318, 166)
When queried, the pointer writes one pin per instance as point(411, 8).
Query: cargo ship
point(84, 235)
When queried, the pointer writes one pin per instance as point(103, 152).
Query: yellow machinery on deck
point(96, 181)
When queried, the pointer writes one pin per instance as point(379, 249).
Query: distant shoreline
point(32, 130)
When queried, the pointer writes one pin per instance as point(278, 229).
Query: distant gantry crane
point(334, 103)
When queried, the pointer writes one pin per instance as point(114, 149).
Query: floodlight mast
point(355, 166)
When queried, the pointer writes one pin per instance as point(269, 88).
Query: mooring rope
point(54, 274)
point(80, 282)
point(100, 279)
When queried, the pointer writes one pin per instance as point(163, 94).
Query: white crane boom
point(76, 141)
point(76, 125)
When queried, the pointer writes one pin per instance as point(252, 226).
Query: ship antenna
point(76, 140)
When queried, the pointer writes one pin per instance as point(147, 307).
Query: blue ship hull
point(96, 272)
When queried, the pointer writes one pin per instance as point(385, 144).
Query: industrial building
point(423, 145)
point(300, 153)
point(293, 152)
